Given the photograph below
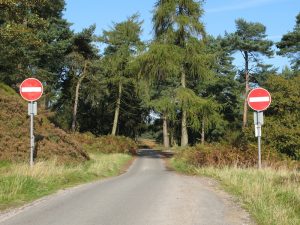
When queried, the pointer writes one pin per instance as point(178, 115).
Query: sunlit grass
point(19, 183)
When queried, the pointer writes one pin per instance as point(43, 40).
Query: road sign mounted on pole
point(31, 90)
point(259, 99)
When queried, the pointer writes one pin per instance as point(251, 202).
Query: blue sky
point(277, 15)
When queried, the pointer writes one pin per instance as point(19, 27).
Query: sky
point(279, 16)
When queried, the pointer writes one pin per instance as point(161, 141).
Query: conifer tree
point(122, 45)
point(250, 40)
point(290, 45)
point(177, 23)
point(82, 52)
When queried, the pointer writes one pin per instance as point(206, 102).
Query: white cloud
point(246, 4)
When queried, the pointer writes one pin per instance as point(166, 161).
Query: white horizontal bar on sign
point(31, 89)
point(259, 99)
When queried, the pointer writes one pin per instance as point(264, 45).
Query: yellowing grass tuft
point(105, 165)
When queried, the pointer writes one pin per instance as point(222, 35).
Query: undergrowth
point(220, 156)
point(107, 144)
point(50, 141)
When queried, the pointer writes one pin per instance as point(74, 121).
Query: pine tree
point(250, 40)
point(290, 45)
point(123, 44)
point(33, 41)
point(177, 23)
point(159, 67)
point(82, 52)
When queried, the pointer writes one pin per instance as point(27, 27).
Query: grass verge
point(20, 184)
point(271, 196)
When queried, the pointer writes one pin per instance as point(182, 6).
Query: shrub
point(107, 144)
point(51, 142)
point(223, 156)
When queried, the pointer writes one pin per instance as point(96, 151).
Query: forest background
point(182, 87)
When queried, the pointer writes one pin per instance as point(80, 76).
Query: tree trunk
point(117, 111)
point(184, 133)
point(246, 89)
point(47, 101)
point(172, 137)
point(165, 132)
point(83, 75)
point(203, 131)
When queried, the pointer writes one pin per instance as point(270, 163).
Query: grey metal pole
point(31, 134)
point(259, 151)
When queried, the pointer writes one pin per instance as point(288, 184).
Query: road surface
point(148, 194)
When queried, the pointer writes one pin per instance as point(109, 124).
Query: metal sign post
point(259, 99)
point(258, 122)
point(31, 90)
point(32, 111)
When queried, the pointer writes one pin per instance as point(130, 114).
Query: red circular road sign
point(31, 89)
point(259, 99)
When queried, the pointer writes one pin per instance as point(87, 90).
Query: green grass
point(271, 196)
point(20, 184)
point(7, 89)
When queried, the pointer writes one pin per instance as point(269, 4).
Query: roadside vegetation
point(271, 195)
point(106, 144)
point(20, 184)
point(181, 89)
point(62, 159)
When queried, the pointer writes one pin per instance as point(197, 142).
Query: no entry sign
point(259, 99)
point(31, 89)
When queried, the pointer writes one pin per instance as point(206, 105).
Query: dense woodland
point(181, 88)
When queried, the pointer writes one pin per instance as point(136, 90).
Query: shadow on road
point(151, 153)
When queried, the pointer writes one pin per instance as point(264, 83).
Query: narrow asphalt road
point(148, 194)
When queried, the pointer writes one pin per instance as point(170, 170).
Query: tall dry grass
point(271, 196)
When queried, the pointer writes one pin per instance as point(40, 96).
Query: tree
point(290, 45)
point(177, 23)
point(33, 41)
point(205, 114)
point(283, 128)
point(123, 43)
point(220, 94)
point(82, 52)
point(250, 40)
point(165, 105)
point(158, 69)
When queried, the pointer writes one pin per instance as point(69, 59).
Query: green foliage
point(176, 20)
point(182, 73)
point(289, 45)
point(160, 62)
point(107, 144)
point(8, 90)
point(33, 41)
point(250, 37)
point(114, 144)
point(177, 24)
point(282, 127)
point(122, 45)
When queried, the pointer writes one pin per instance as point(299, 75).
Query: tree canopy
point(180, 88)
